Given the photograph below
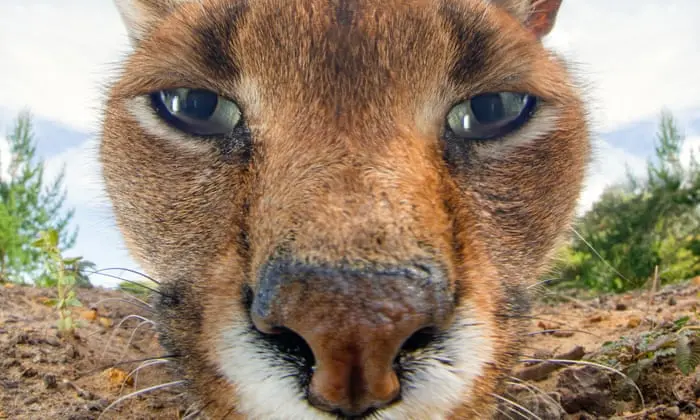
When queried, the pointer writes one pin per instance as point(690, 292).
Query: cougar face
point(344, 200)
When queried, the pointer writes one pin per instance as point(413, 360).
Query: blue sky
point(636, 56)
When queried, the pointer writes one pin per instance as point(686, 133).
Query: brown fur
point(345, 103)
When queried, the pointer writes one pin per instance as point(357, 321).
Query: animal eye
point(490, 115)
point(196, 111)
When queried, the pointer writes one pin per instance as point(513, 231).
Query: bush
point(640, 224)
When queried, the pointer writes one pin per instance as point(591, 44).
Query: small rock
point(595, 319)
point(545, 406)
point(634, 322)
point(52, 341)
point(9, 384)
point(672, 301)
point(71, 352)
point(49, 381)
point(21, 338)
point(689, 407)
point(562, 334)
point(29, 373)
point(585, 388)
point(31, 400)
point(671, 412)
point(97, 405)
point(156, 404)
point(620, 306)
point(6, 364)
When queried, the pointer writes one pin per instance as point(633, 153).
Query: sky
point(634, 56)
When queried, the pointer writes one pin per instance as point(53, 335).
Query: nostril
point(419, 340)
point(290, 344)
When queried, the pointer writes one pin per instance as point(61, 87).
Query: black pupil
point(488, 108)
point(199, 104)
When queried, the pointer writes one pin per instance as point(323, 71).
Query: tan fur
point(345, 102)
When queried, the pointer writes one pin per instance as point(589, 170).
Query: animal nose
point(355, 321)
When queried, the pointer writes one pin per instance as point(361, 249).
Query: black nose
point(355, 320)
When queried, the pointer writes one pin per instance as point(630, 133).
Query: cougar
point(345, 201)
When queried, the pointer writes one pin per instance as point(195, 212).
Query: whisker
point(128, 270)
point(593, 364)
point(116, 329)
point(197, 411)
point(562, 330)
point(519, 382)
point(143, 365)
point(133, 334)
point(139, 304)
point(516, 405)
point(132, 282)
point(506, 414)
point(530, 317)
point(542, 282)
point(141, 392)
point(599, 256)
point(126, 362)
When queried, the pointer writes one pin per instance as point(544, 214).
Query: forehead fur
point(345, 57)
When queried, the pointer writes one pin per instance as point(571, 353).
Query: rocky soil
point(586, 358)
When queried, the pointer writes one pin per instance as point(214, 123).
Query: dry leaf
point(89, 315)
point(118, 377)
point(105, 322)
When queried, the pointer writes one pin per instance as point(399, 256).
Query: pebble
point(634, 322)
point(31, 400)
point(29, 373)
point(49, 380)
point(672, 412)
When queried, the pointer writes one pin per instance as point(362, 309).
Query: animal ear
point(140, 16)
point(538, 16)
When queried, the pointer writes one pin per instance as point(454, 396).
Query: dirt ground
point(580, 361)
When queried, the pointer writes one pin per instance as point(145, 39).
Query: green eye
point(196, 111)
point(490, 115)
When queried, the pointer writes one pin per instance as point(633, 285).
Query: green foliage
point(635, 355)
point(640, 224)
point(79, 267)
point(66, 279)
point(28, 205)
point(687, 353)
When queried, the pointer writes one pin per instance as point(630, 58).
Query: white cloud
point(56, 55)
point(638, 55)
